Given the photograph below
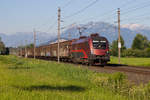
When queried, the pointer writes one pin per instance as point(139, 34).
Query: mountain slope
point(108, 30)
point(128, 32)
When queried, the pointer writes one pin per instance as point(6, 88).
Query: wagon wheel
point(91, 62)
point(103, 63)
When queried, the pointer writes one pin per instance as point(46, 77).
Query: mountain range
point(110, 31)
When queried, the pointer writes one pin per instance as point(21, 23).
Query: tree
point(140, 42)
point(2, 47)
point(114, 47)
point(30, 45)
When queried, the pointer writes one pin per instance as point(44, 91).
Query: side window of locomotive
point(99, 44)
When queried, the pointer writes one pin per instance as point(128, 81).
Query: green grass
point(29, 79)
point(132, 61)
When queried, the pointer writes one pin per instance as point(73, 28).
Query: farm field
point(29, 79)
point(145, 62)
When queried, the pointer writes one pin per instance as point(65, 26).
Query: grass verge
point(145, 62)
point(29, 79)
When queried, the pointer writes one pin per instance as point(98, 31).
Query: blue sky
point(24, 15)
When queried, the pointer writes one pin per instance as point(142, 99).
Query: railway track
point(130, 69)
point(136, 75)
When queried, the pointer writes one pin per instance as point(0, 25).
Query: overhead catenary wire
point(80, 11)
point(137, 8)
point(55, 22)
point(83, 9)
point(129, 9)
point(67, 4)
point(134, 8)
point(111, 13)
point(51, 26)
point(137, 17)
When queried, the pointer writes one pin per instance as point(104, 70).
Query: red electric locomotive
point(90, 50)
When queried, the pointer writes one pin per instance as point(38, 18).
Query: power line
point(44, 23)
point(67, 4)
point(137, 17)
point(112, 12)
point(83, 9)
point(126, 3)
point(111, 15)
point(136, 8)
point(131, 10)
point(51, 26)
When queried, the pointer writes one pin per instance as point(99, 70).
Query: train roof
point(74, 41)
point(85, 38)
point(52, 42)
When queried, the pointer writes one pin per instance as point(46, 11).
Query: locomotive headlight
point(91, 51)
point(107, 52)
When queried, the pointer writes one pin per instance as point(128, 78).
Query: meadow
point(131, 61)
point(29, 79)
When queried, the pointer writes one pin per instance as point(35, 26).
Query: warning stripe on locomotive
point(79, 53)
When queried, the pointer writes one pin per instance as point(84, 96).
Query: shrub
point(147, 52)
point(116, 82)
point(136, 53)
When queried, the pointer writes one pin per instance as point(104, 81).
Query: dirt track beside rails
point(136, 75)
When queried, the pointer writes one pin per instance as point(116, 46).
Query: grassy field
point(132, 61)
point(29, 79)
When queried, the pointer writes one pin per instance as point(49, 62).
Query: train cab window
point(99, 44)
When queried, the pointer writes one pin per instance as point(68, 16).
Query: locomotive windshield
point(99, 44)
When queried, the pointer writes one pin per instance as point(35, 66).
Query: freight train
point(93, 49)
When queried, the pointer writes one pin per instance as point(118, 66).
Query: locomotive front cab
point(99, 49)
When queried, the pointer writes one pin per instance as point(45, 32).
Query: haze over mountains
point(128, 32)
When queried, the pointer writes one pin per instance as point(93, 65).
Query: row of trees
point(140, 47)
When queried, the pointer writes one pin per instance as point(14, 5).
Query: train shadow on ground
point(52, 88)
point(116, 65)
point(111, 65)
point(19, 67)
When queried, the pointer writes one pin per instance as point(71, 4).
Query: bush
point(116, 82)
point(147, 52)
point(136, 53)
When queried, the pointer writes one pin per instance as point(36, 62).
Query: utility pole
point(21, 49)
point(119, 43)
point(58, 56)
point(80, 33)
point(34, 41)
point(25, 48)
point(81, 29)
point(69, 36)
